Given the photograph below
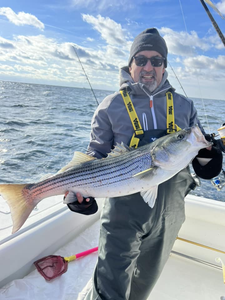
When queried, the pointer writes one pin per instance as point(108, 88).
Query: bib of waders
point(141, 137)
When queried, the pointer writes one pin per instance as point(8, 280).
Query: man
point(136, 240)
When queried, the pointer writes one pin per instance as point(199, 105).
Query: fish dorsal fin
point(78, 158)
point(150, 195)
point(119, 149)
point(46, 176)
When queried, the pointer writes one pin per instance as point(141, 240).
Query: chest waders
point(136, 240)
point(140, 137)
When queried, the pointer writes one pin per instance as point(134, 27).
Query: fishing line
point(181, 8)
point(204, 107)
point(169, 62)
point(85, 74)
point(203, 102)
point(177, 79)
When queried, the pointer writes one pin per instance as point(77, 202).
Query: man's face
point(148, 75)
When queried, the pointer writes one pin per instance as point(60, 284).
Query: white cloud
point(43, 59)
point(206, 63)
point(183, 43)
point(110, 31)
point(6, 44)
point(21, 18)
point(200, 71)
point(221, 6)
point(102, 5)
point(112, 5)
point(6, 68)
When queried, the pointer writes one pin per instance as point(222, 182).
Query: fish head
point(176, 150)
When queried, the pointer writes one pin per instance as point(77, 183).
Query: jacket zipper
point(152, 106)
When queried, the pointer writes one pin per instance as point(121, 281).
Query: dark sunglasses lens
point(140, 61)
point(156, 61)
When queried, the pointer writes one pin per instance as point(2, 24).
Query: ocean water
point(41, 126)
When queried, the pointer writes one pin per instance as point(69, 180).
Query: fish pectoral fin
point(150, 195)
point(145, 172)
point(78, 158)
point(119, 149)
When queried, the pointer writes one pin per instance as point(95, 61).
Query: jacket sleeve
point(102, 137)
point(100, 145)
point(194, 118)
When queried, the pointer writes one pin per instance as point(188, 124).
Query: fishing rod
point(85, 75)
point(219, 181)
point(213, 22)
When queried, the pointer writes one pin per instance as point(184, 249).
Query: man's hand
point(80, 198)
point(208, 163)
point(79, 204)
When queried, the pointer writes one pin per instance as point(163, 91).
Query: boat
point(193, 271)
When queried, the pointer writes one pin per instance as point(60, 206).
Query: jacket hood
point(139, 88)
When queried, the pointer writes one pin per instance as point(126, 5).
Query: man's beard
point(150, 85)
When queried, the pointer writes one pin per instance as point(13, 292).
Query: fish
point(123, 172)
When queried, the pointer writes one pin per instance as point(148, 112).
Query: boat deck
point(182, 278)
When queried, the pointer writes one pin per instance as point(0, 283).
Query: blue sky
point(39, 41)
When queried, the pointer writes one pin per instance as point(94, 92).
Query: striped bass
point(124, 171)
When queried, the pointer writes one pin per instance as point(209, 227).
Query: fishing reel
point(219, 143)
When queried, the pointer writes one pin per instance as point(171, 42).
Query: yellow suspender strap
point(134, 119)
point(171, 126)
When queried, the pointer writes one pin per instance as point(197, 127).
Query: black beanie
point(149, 39)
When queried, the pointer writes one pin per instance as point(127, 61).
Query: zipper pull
point(151, 101)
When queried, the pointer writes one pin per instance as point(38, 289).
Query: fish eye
point(180, 136)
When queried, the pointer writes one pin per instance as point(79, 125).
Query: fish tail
point(17, 197)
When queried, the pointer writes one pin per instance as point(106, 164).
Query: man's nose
point(148, 67)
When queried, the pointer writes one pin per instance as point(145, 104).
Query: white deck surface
point(181, 279)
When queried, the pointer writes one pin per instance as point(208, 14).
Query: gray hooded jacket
point(111, 123)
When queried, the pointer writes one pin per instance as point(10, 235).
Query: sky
point(41, 41)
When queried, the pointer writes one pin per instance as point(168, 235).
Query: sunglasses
point(141, 61)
